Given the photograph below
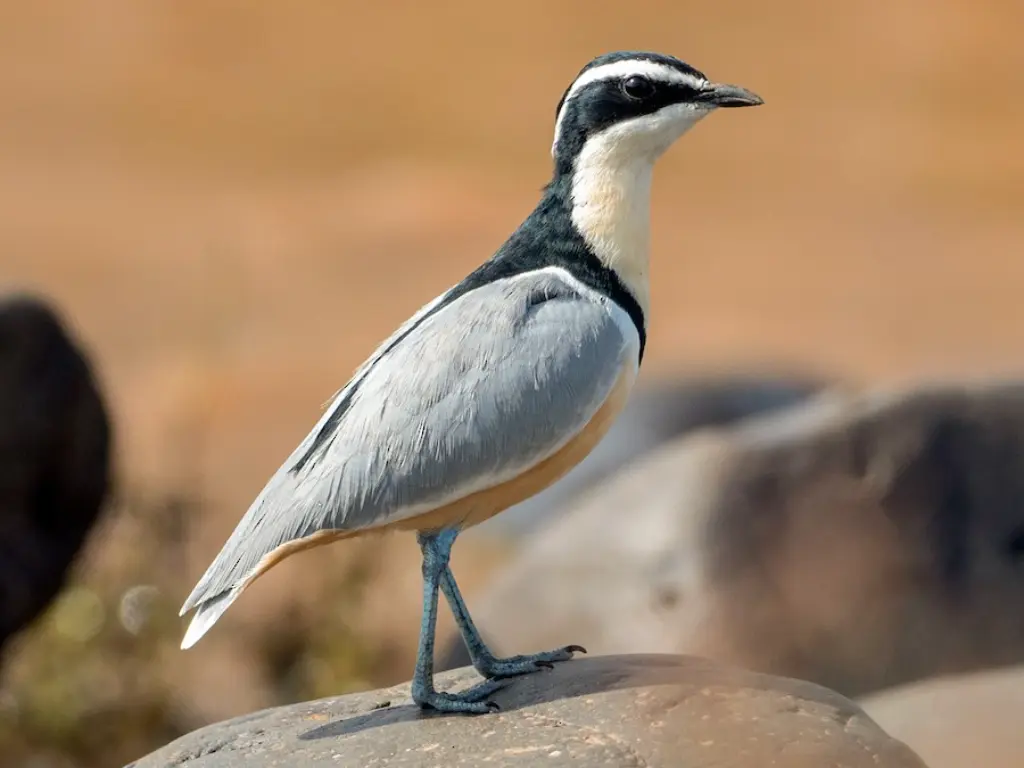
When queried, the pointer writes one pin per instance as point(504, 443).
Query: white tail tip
point(206, 616)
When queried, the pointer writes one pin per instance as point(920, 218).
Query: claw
point(575, 649)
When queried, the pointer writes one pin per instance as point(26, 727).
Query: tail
point(207, 615)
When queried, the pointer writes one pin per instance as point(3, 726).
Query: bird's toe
point(523, 665)
point(480, 691)
point(473, 700)
point(441, 703)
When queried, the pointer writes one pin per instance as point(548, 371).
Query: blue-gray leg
point(485, 662)
point(436, 549)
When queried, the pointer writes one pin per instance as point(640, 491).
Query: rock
point(611, 711)
point(960, 721)
point(656, 413)
point(859, 541)
point(54, 458)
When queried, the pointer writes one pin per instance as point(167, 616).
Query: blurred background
point(231, 203)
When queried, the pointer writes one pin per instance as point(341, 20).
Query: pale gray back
point(478, 391)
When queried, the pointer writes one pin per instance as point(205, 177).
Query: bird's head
point(637, 104)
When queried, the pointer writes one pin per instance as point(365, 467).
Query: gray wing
point(470, 396)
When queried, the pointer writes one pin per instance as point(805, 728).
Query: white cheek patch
point(648, 136)
point(611, 187)
point(620, 70)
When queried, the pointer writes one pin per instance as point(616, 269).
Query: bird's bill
point(723, 95)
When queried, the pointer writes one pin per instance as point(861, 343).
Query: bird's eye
point(637, 87)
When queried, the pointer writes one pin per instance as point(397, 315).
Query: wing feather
point(478, 392)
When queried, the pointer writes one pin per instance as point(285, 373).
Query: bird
point(499, 386)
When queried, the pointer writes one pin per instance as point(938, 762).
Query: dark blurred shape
point(54, 457)
point(861, 541)
point(656, 412)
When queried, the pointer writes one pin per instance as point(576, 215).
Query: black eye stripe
point(673, 90)
point(602, 103)
point(684, 91)
point(640, 86)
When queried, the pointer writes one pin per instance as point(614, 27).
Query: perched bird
point(499, 386)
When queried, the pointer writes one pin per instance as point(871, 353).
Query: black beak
point(721, 95)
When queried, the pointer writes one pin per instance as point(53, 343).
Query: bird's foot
point(493, 668)
point(470, 701)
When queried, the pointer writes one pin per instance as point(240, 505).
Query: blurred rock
point(958, 722)
point(860, 541)
point(656, 413)
point(54, 457)
point(614, 711)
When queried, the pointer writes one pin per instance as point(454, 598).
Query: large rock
point(611, 711)
point(860, 541)
point(54, 458)
point(657, 412)
point(961, 721)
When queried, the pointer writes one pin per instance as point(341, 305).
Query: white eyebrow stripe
point(616, 69)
